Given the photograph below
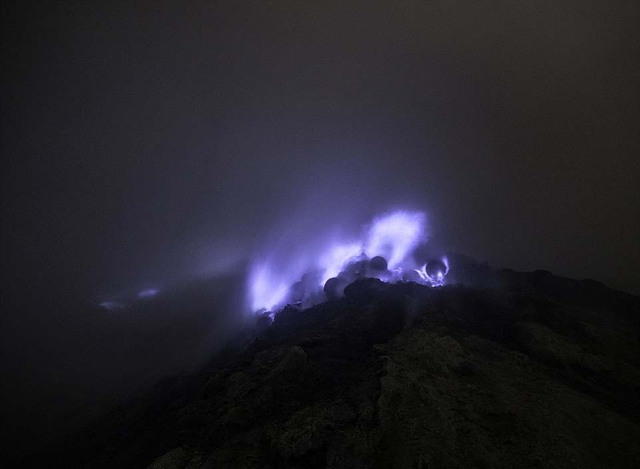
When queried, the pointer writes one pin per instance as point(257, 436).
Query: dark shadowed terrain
point(500, 369)
point(79, 360)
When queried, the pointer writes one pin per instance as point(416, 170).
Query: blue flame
point(437, 279)
point(393, 236)
point(333, 260)
point(268, 290)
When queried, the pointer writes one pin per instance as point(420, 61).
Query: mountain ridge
point(498, 369)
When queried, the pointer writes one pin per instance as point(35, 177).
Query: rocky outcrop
point(512, 370)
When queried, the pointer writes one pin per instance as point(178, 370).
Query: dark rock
point(513, 370)
point(364, 290)
point(378, 264)
point(263, 323)
point(174, 459)
point(334, 287)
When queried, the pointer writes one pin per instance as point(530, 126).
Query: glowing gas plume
point(434, 272)
point(268, 290)
point(333, 259)
point(395, 236)
point(384, 249)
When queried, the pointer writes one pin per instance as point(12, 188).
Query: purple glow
point(334, 259)
point(148, 293)
point(436, 279)
point(268, 290)
point(393, 236)
point(112, 305)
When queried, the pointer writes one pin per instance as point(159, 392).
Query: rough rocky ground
point(511, 370)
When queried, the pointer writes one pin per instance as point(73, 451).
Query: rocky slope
point(503, 369)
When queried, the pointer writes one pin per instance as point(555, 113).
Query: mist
point(150, 145)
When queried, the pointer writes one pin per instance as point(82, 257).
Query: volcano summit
point(494, 369)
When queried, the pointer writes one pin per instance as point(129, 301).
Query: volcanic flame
point(395, 236)
point(267, 288)
point(333, 260)
point(384, 250)
point(433, 272)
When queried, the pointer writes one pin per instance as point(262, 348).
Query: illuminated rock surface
point(512, 370)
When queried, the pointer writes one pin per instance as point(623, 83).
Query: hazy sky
point(143, 142)
point(147, 140)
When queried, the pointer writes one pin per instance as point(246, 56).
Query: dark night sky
point(140, 138)
point(147, 141)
